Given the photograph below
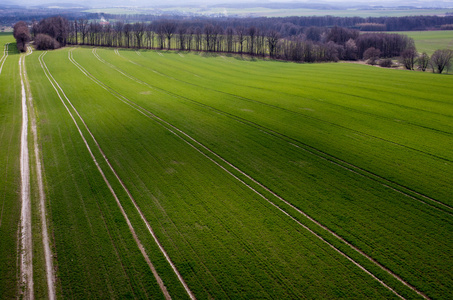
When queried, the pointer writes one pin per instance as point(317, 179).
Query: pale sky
point(425, 3)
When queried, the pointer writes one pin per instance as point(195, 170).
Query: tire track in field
point(62, 95)
point(2, 62)
point(393, 185)
point(4, 57)
point(174, 130)
point(318, 119)
point(316, 100)
point(161, 248)
point(26, 242)
point(50, 274)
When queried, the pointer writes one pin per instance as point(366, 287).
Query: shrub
point(386, 63)
point(446, 27)
point(371, 55)
point(46, 42)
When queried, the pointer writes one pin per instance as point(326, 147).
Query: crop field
point(194, 175)
point(10, 121)
point(430, 41)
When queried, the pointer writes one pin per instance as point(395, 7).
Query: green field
point(430, 41)
point(10, 121)
point(236, 177)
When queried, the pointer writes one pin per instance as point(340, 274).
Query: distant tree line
point(312, 44)
point(286, 26)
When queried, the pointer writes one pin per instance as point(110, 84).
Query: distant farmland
point(430, 41)
point(209, 176)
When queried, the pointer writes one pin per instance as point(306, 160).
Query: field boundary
point(131, 228)
point(167, 125)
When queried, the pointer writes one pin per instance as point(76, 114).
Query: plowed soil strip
point(26, 250)
point(150, 230)
point(61, 94)
point(172, 129)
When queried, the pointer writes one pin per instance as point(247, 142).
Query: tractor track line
point(50, 274)
point(316, 100)
point(4, 57)
point(55, 84)
point(2, 62)
point(167, 257)
point(310, 149)
point(160, 121)
point(26, 242)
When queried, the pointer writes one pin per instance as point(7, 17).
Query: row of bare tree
point(439, 61)
point(315, 44)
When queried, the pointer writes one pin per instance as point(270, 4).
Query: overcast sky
point(207, 2)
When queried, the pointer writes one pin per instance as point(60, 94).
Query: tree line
point(313, 44)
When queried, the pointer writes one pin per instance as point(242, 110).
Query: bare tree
point(350, 49)
point(198, 38)
point(83, 25)
point(76, 31)
point(127, 29)
point(408, 58)
point(272, 40)
point(119, 33)
point(371, 55)
point(441, 60)
point(139, 30)
point(217, 35)
point(229, 39)
point(22, 35)
point(208, 32)
point(423, 62)
point(252, 34)
point(182, 37)
point(240, 35)
point(169, 29)
point(189, 36)
point(150, 36)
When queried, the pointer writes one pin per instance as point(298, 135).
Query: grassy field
point(430, 41)
point(10, 121)
point(231, 177)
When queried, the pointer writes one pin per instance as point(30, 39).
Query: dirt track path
point(50, 274)
point(26, 250)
